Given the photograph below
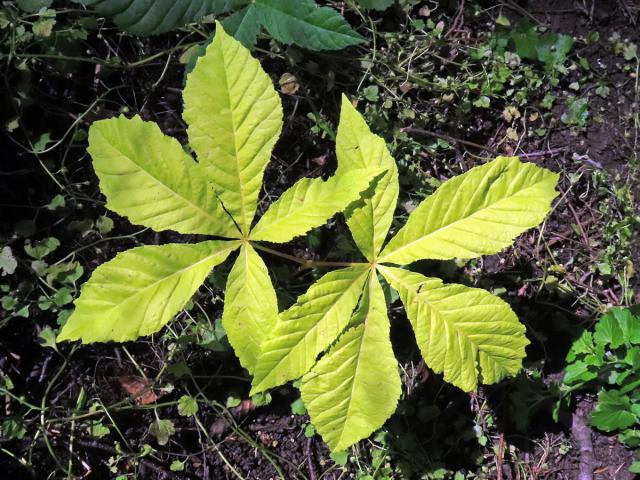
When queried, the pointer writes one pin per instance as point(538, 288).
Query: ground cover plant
point(433, 96)
point(609, 356)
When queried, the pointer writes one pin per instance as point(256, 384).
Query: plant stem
point(304, 262)
point(448, 138)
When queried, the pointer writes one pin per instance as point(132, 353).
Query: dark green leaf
point(613, 411)
point(33, 5)
point(151, 17)
point(305, 24)
point(376, 4)
point(244, 25)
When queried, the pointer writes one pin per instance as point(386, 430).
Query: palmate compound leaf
point(354, 388)
point(151, 17)
point(358, 148)
point(250, 306)
point(141, 289)
point(309, 203)
point(308, 328)
point(147, 177)
point(463, 332)
point(235, 118)
point(477, 213)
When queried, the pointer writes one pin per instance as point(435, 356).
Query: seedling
point(235, 117)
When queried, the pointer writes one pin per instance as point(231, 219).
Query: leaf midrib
point(358, 362)
point(144, 289)
point(331, 308)
point(243, 208)
point(434, 232)
point(178, 194)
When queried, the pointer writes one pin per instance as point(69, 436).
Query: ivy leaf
point(145, 17)
point(463, 332)
point(187, 406)
point(308, 328)
point(234, 127)
point(305, 24)
point(162, 430)
point(358, 148)
point(309, 203)
point(355, 387)
point(250, 306)
point(140, 290)
point(154, 182)
point(477, 213)
point(613, 411)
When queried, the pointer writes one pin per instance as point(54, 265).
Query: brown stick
point(500, 456)
point(581, 433)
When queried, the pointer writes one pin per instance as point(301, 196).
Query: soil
point(264, 442)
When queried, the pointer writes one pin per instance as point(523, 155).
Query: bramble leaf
point(244, 25)
point(463, 332)
point(147, 177)
point(141, 289)
point(308, 328)
point(356, 148)
point(354, 388)
point(477, 213)
point(305, 24)
point(151, 17)
point(309, 203)
point(235, 117)
point(250, 306)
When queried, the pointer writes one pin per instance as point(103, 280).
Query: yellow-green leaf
point(235, 117)
point(308, 328)
point(140, 290)
point(309, 203)
point(354, 388)
point(357, 147)
point(477, 213)
point(250, 306)
point(466, 333)
point(147, 177)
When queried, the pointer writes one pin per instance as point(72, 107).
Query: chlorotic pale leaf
point(147, 177)
point(357, 148)
point(304, 23)
point(250, 306)
point(308, 328)
point(235, 117)
point(141, 289)
point(309, 203)
point(465, 333)
point(354, 388)
point(477, 213)
point(151, 17)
